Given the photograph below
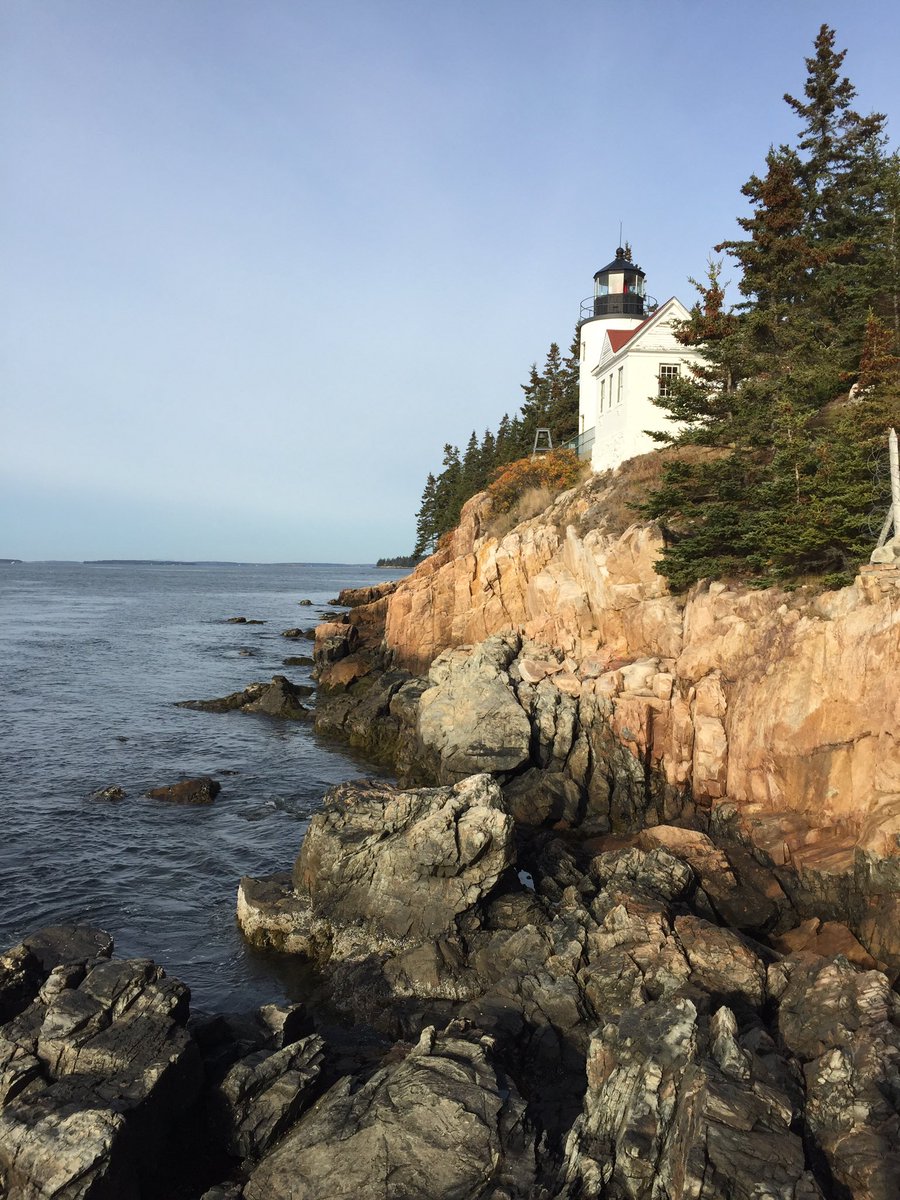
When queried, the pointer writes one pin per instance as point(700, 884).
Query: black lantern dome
point(619, 288)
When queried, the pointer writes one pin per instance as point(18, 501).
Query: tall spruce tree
point(426, 520)
point(842, 161)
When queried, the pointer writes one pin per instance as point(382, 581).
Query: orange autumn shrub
point(551, 472)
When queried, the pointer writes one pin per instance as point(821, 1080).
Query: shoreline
point(505, 942)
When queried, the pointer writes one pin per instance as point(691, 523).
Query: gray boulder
point(676, 1106)
point(97, 1073)
point(445, 1122)
point(263, 1094)
point(470, 718)
point(405, 864)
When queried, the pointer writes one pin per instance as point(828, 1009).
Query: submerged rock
point(280, 698)
point(188, 791)
point(108, 793)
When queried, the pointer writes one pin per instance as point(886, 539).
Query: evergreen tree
point(551, 399)
point(470, 476)
point(487, 458)
point(783, 489)
point(842, 162)
point(448, 499)
point(426, 520)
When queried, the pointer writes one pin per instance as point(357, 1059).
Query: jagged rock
point(298, 660)
point(720, 962)
point(843, 1025)
point(280, 698)
point(345, 671)
point(361, 712)
point(298, 633)
point(654, 872)
point(470, 718)
point(751, 902)
point(242, 621)
point(263, 1094)
point(96, 1075)
point(21, 976)
point(306, 603)
point(188, 791)
point(676, 1106)
point(827, 939)
point(406, 864)
point(444, 1122)
point(334, 640)
point(540, 797)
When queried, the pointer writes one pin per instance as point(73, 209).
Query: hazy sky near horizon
point(263, 259)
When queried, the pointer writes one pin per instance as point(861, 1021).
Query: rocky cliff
point(772, 714)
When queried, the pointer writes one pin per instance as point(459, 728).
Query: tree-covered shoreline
point(551, 402)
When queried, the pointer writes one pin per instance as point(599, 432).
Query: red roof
point(618, 338)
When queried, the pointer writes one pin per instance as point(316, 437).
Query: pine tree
point(784, 489)
point(551, 399)
point(426, 526)
point(448, 492)
point(842, 156)
point(487, 458)
point(470, 475)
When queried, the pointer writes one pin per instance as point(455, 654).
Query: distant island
point(9, 562)
point(400, 560)
point(157, 562)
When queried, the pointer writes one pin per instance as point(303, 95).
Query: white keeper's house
point(629, 353)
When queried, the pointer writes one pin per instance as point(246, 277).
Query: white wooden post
point(895, 481)
point(884, 552)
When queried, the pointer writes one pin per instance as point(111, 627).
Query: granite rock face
point(767, 715)
point(470, 718)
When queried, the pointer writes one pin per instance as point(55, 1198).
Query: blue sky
point(262, 259)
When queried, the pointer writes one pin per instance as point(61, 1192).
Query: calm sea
point(92, 659)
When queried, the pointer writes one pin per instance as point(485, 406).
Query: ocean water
point(92, 660)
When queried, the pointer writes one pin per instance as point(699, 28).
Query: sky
point(263, 258)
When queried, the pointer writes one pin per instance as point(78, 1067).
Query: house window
point(667, 372)
point(602, 393)
point(619, 386)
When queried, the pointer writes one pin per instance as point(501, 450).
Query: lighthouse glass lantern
point(619, 288)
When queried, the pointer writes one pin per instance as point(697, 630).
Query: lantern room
point(619, 288)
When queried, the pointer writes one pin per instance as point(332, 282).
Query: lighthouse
point(629, 355)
